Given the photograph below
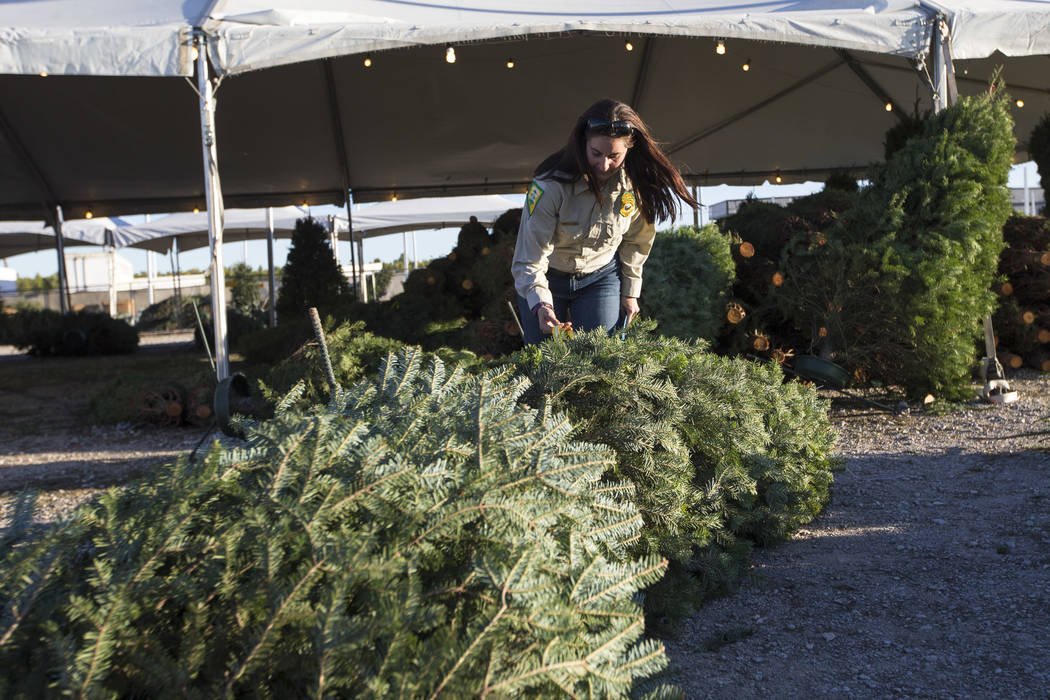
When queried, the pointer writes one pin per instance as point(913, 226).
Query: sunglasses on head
point(613, 128)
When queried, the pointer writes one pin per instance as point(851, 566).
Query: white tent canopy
point(426, 213)
point(17, 237)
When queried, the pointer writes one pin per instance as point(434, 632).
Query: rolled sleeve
point(634, 251)
point(534, 246)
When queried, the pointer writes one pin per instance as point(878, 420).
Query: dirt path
point(927, 576)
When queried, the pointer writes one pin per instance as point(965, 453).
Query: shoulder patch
point(533, 196)
point(626, 204)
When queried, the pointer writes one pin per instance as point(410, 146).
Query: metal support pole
point(696, 209)
point(151, 273)
point(111, 265)
point(404, 241)
point(213, 195)
point(269, 264)
point(361, 265)
point(415, 252)
point(63, 287)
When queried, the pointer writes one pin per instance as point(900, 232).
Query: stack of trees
point(1022, 321)
point(761, 232)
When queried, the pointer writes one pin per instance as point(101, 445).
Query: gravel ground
point(927, 576)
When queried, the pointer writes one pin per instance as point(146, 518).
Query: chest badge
point(626, 204)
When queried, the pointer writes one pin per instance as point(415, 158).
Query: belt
point(581, 275)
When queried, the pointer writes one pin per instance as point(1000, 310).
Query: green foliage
point(242, 282)
point(458, 301)
point(424, 536)
point(44, 333)
point(311, 277)
point(904, 280)
point(722, 453)
point(37, 283)
point(354, 353)
point(687, 280)
point(1039, 151)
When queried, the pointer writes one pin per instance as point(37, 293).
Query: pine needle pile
point(421, 536)
point(687, 280)
point(722, 453)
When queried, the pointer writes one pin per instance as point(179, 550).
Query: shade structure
point(17, 237)
point(190, 229)
point(425, 213)
point(300, 119)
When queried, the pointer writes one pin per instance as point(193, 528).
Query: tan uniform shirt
point(564, 228)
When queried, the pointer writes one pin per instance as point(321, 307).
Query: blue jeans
point(590, 301)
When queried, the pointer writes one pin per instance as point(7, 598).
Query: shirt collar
point(623, 183)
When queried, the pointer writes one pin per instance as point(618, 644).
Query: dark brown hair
point(655, 179)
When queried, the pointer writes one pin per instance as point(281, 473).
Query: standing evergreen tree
point(899, 291)
point(311, 276)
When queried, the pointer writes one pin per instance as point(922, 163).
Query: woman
point(587, 225)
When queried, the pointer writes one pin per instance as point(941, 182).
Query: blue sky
point(429, 244)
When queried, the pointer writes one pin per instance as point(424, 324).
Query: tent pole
point(213, 194)
point(404, 241)
point(111, 265)
point(63, 287)
point(269, 263)
point(151, 273)
point(415, 252)
point(696, 209)
point(361, 265)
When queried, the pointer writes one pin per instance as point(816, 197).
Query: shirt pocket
point(571, 231)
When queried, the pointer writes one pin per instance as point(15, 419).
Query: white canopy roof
point(113, 129)
point(426, 213)
point(191, 230)
point(17, 237)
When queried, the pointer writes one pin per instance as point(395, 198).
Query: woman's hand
point(629, 307)
point(547, 320)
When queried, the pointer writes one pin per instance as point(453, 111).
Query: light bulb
point(43, 75)
point(368, 61)
point(196, 210)
point(195, 53)
point(450, 54)
point(889, 106)
point(393, 198)
point(628, 45)
point(510, 63)
point(88, 214)
point(720, 49)
point(778, 179)
point(747, 65)
point(1020, 103)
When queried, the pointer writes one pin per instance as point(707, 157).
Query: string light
point(450, 54)
point(889, 106)
point(510, 63)
point(747, 66)
point(196, 210)
point(777, 178)
point(720, 48)
point(393, 198)
point(368, 61)
point(88, 214)
point(43, 75)
point(1020, 103)
point(628, 45)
